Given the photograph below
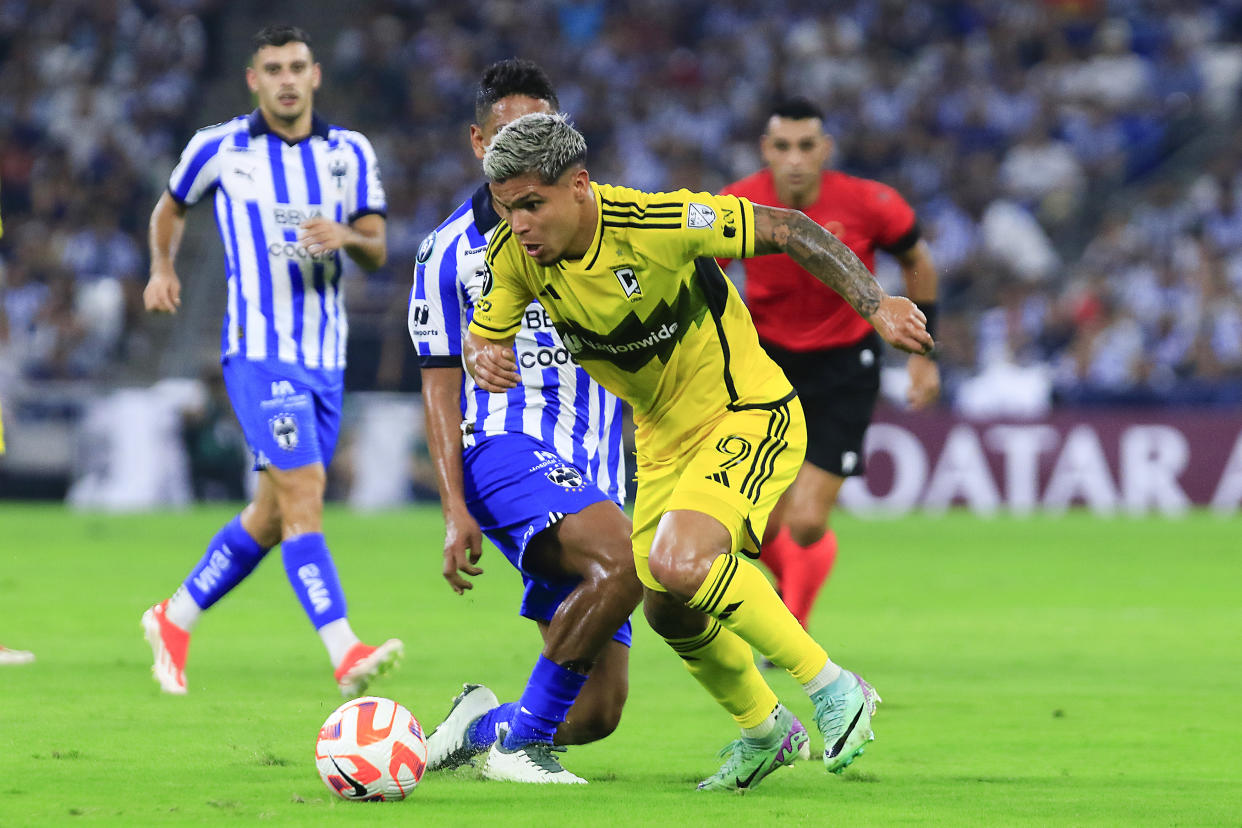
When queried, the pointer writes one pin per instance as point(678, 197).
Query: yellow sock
point(725, 666)
point(737, 594)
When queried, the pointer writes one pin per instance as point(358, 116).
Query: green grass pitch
point(1040, 671)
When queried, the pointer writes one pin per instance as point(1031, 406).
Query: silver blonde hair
point(540, 143)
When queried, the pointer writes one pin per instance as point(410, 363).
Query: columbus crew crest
point(629, 282)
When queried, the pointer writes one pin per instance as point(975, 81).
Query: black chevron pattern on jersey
point(636, 340)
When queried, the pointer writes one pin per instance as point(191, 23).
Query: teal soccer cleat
point(843, 712)
point(750, 760)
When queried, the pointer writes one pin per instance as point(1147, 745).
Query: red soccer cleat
point(363, 663)
point(170, 644)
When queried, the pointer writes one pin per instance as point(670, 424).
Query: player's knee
point(671, 573)
point(680, 571)
point(806, 529)
point(807, 525)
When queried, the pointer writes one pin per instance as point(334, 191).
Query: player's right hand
point(463, 546)
point(163, 292)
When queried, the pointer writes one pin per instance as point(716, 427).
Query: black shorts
point(838, 388)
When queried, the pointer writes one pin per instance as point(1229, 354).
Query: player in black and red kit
point(830, 353)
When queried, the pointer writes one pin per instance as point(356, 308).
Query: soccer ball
point(371, 749)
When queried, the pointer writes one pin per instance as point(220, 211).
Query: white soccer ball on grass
point(371, 749)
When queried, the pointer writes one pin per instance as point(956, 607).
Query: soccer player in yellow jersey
point(630, 281)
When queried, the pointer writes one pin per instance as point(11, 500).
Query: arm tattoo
point(822, 254)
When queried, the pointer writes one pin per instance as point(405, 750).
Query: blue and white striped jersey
point(283, 303)
point(557, 401)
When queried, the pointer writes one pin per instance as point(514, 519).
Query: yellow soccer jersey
point(647, 311)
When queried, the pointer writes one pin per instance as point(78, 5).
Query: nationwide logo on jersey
point(424, 249)
point(629, 283)
point(285, 431)
point(634, 342)
point(700, 216)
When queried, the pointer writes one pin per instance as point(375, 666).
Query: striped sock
point(725, 666)
point(737, 594)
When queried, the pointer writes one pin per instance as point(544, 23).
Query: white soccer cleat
point(449, 745)
point(364, 663)
point(532, 764)
point(8, 656)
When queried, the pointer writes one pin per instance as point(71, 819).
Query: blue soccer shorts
point(516, 487)
point(290, 414)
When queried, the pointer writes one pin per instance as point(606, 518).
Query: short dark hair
point(278, 34)
point(514, 76)
point(796, 109)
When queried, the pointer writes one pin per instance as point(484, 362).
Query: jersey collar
point(485, 217)
point(592, 255)
point(258, 126)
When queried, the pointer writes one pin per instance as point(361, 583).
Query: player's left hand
point(319, 235)
point(493, 366)
point(463, 546)
point(924, 386)
point(902, 325)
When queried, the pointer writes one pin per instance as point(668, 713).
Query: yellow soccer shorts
point(735, 473)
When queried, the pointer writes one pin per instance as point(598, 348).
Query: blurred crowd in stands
point(1074, 164)
point(96, 99)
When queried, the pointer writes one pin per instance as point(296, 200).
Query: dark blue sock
point(312, 574)
point(231, 555)
point(545, 703)
point(483, 732)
